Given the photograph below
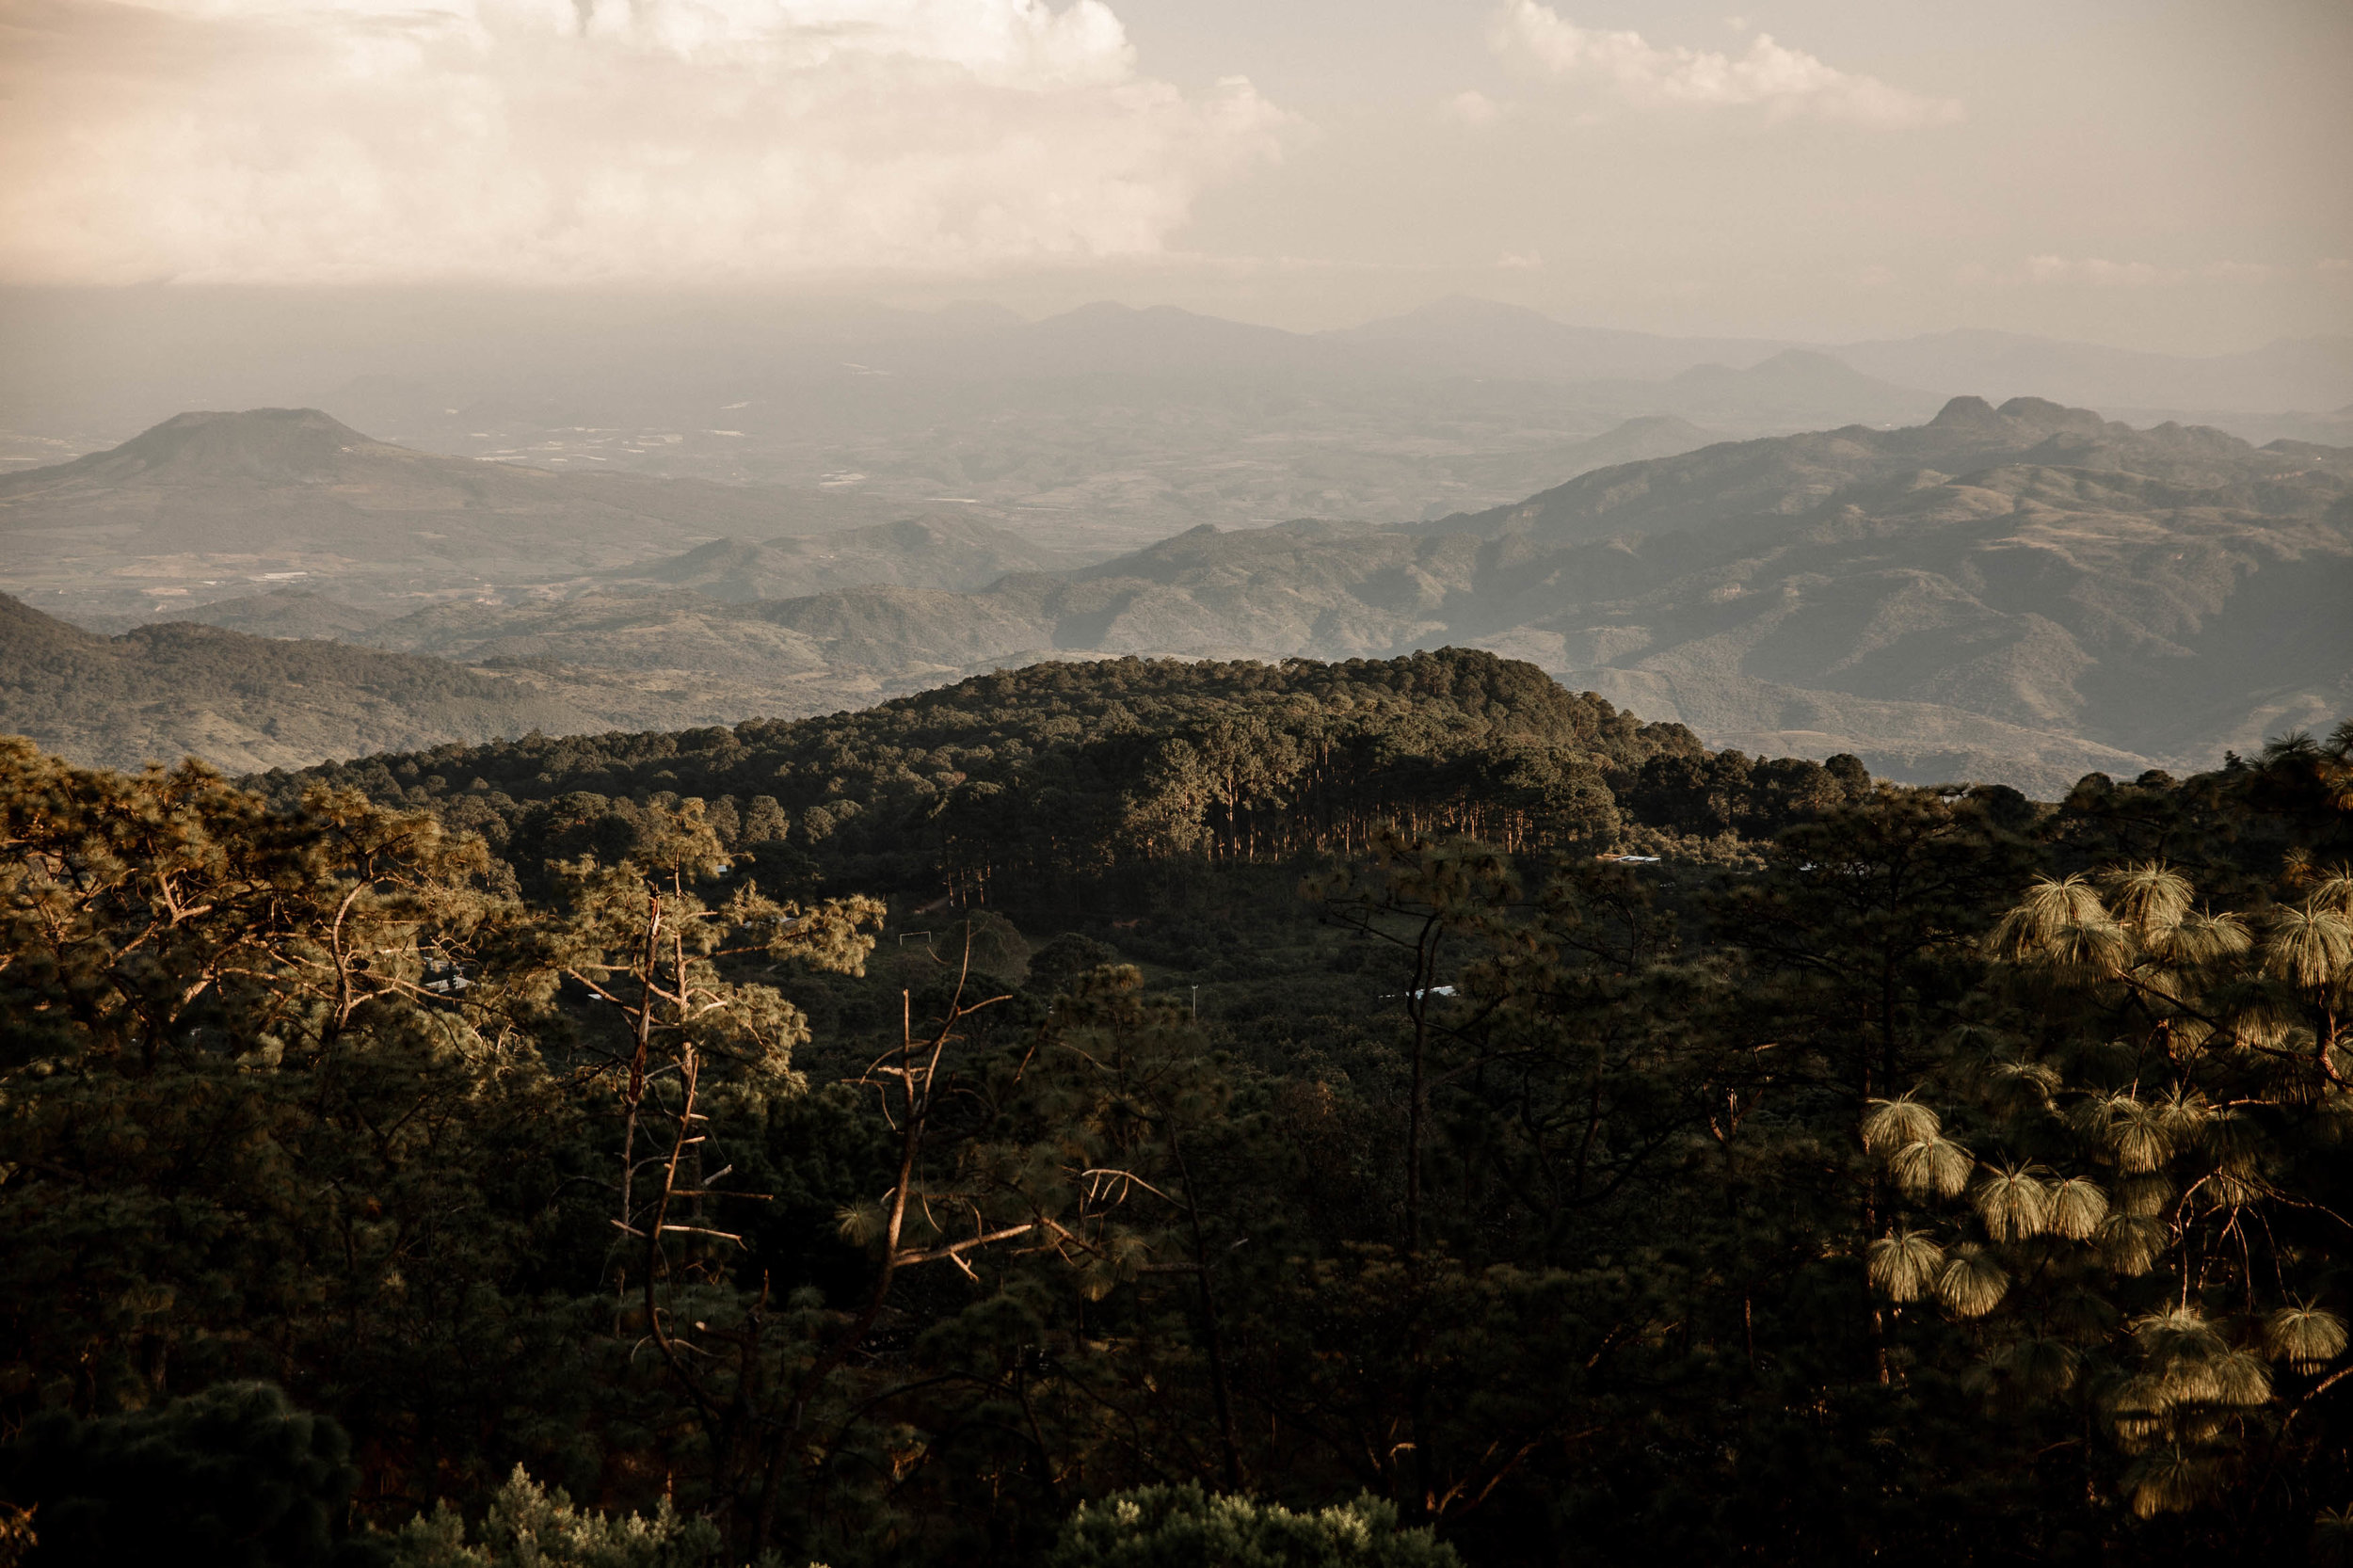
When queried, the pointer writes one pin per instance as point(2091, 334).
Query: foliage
point(1019, 779)
point(1168, 1527)
point(529, 1525)
point(231, 1477)
point(2144, 1232)
point(1944, 1174)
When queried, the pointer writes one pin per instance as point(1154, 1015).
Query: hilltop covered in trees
point(1343, 1166)
point(1063, 771)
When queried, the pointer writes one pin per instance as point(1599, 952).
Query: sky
point(2153, 174)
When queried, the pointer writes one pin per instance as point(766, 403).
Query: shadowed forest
point(1138, 1112)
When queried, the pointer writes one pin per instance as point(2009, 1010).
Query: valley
point(2017, 595)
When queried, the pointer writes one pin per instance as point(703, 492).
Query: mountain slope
point(934, 551)
point(292, 480)
point(2023, 594)
point(1797, 389)
point(279, 613)
point(247, 703)
point(2019, 595)
point(2167, 592)
point(163, 692)
point(212, 500)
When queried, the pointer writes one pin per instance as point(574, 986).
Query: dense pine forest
point(1150, 1114)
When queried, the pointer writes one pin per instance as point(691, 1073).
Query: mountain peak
point(1966, 414)
point(245, 425)
point(272, 446)
point(2044, 414)
point(1097, 310)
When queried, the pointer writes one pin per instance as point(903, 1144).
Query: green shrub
point(231, 1478)
point(531, 1527)
point(1181, 1527)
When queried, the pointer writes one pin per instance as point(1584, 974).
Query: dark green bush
point(231, 1478)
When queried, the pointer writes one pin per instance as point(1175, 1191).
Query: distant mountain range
point(224, 501)
point(1480, 337)
point(927, 552)
point(2019, 593)
point(2313, 374)
point(209, 505)
point(1090, 432)
point(287, 482)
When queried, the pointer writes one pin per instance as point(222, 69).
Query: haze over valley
point(626, 508)
point(2017, 595)
point(1103, 425)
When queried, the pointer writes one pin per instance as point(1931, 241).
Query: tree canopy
point(1252, 1133)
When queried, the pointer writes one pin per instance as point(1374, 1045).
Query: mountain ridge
point(1971, 594)
point(2013, 594)
point(208, 499)
point(929, 550)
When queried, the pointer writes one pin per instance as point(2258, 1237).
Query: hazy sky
point(2155, 172)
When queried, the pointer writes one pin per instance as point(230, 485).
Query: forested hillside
point(1147, 1113)
point(1061, 772)
point(158, 693)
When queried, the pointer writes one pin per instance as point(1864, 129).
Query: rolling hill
point(275, 495)
point(184, 517)
point(249, 703)
point(2020, 594)
point(242, 702)
point(289, 480)
point(934, 551)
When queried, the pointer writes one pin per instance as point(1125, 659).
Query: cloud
point(1786, 83)
point(1472, 108)
point(2097, 272)
point(590, 140)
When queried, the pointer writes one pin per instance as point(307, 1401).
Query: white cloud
point(1786, 83)
point(544, 140)
point(1472, 108)
point(2100, 273)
